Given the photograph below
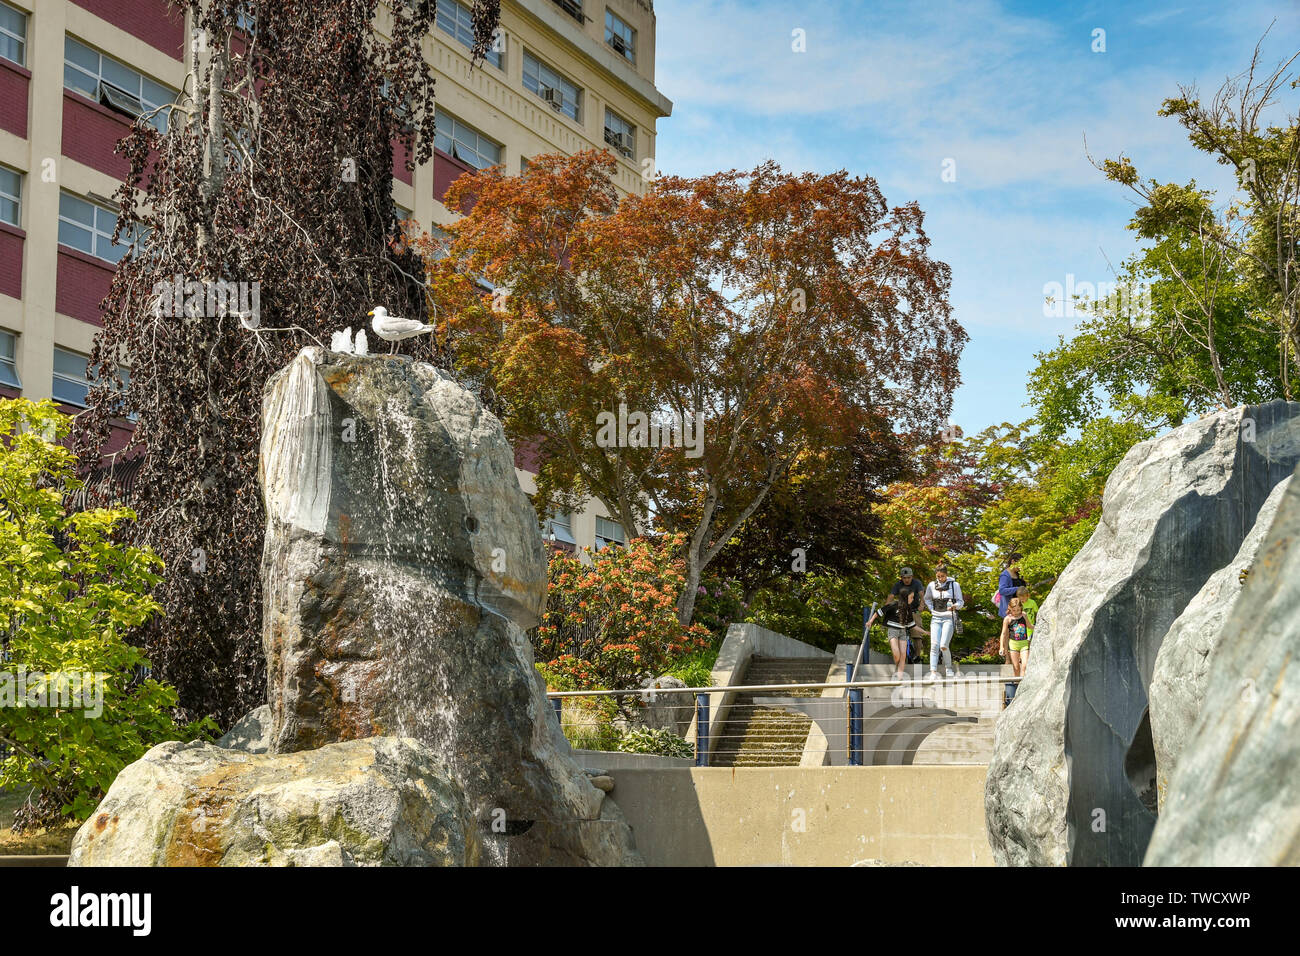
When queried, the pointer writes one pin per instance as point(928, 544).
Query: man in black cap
point(910, 593)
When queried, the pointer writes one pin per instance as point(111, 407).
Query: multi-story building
point(564, 75)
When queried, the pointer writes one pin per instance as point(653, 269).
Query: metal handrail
point(740, 688)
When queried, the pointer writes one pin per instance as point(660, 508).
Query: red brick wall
point(11, 260)
point(120, 434)
point(528, 455)
point(445, 172)
point(156, 22)
point(400, 155)
point(83, 282)
point(13, 98)
point(90, 133)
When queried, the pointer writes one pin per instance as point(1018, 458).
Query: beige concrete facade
point(806, 816)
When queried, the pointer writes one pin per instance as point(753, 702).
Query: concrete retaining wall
point(806, 816)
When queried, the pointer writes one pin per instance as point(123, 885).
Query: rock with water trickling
point(1234, 793)
point(1186, 656)
point(385, 801)
point(402, 564)
point(1073, 773)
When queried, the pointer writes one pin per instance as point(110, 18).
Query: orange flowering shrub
point(613, 623)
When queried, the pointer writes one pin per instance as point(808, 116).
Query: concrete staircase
point(767, 736)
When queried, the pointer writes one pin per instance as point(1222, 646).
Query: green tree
point(76, 705)
point(1224, 326)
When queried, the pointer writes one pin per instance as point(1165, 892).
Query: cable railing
point(835, 723)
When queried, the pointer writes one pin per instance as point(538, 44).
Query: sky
point(1011, 97)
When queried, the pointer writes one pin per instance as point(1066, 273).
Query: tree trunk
point(686, 603)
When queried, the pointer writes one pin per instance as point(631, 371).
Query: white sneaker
point(950, 672)
point(934, 676)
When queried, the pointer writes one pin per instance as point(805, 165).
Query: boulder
point(402, 564)
point(672, 712)
point(1072, 776)
point(252, 733)
point(386, 801)
point(1234, 797)
point(1186, 654)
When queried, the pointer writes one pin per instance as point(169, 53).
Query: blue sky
point(1006, 90)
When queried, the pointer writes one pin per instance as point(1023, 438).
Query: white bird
point(393, 328)
point(341, 341)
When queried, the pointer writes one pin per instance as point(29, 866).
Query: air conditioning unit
point(554, 97)
point(617, 43)
point(119, 100)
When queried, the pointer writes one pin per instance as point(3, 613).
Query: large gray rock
point(1186, 654)
point(672, 712)
point(1234, 798)
point(251, 734)
point(1072, 777)
point(402, 564)
point(385, 801)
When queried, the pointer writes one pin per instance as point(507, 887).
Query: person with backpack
point(1009, 582)
point(944, 599)
point(910, 593)
point(1014, 641)
point(896, 630)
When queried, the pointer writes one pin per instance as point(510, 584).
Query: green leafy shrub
point(695, 670)
point(665, 743)
point(76, 702)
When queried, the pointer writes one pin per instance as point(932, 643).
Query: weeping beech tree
point(275, 172)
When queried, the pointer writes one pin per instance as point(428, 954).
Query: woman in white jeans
point(943, 598)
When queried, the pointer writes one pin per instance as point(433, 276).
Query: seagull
point(393, 328)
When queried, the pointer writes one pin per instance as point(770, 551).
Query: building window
point(609, 532)
point(114, 85)
point(70, 385)
point(563, 95)
point(456, 19)
point(620, 134)
point(89, 227)
point(9, 360)
point(13, 34)
point(11, 196)
point(559, 528)
point(465, 143)
point(620, 36)
point(572, 7)
point(124, 375)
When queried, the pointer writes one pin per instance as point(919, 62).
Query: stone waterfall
point(1073, 778)
point(401, 568)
